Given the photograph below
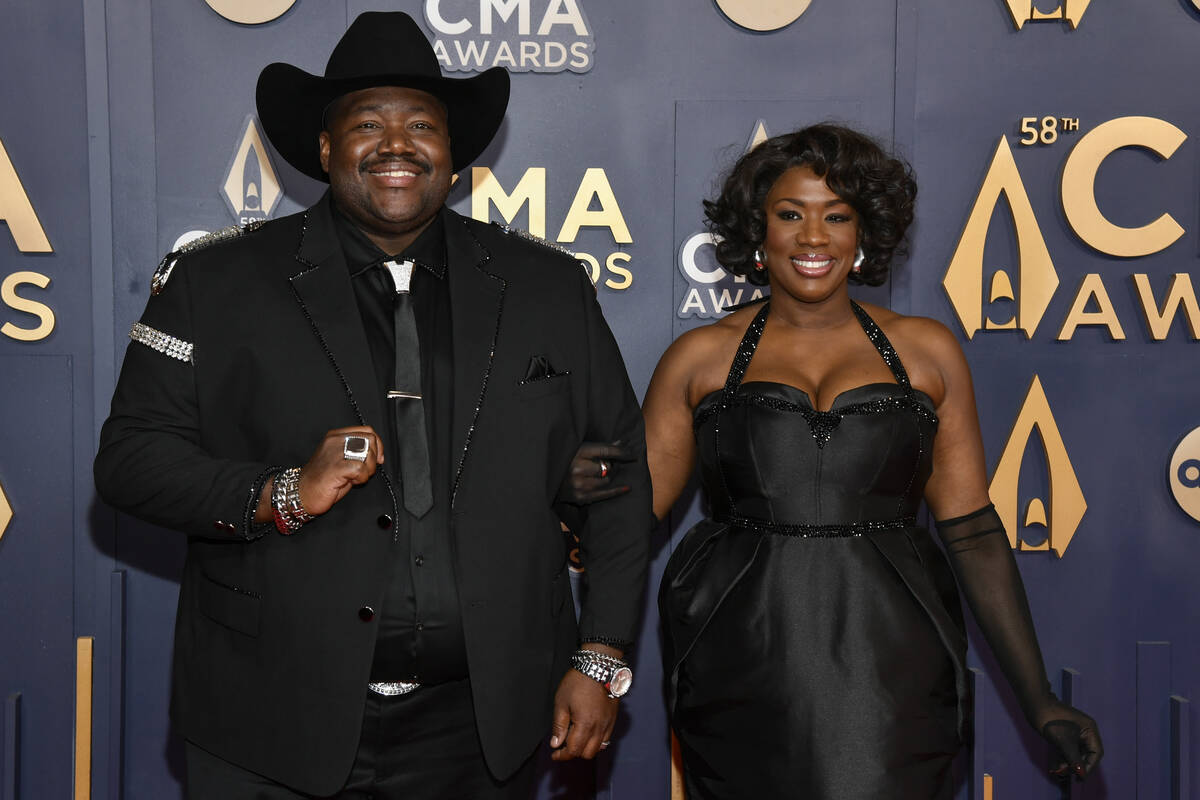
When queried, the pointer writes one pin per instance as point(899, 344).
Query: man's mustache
point(414, 163)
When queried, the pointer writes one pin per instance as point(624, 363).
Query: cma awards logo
point(594, 227)
point(1039, 529)
point(712, 290)
point(1183, 474)
point(251, 189)
point(1071, 11)
point(989, 299)
point(519, 35)
point(25, 319)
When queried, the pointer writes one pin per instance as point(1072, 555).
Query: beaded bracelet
point(290, 515)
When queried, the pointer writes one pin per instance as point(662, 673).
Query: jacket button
point(419, 560)
point(366, 613)
point(384, 521)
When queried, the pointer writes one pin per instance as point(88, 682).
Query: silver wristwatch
point(613, 673)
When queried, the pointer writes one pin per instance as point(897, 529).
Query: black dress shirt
point(420, 627)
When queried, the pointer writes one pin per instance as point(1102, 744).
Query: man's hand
point(329, 475)
point(584, 716)
point(591, 476)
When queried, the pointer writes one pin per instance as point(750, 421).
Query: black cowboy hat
point(378, 49)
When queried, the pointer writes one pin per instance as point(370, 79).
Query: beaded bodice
point(769, 459)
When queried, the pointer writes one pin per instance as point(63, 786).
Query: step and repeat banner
point(1058, 233)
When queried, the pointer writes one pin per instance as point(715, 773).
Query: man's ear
point(323, 149)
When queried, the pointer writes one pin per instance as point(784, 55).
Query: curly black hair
point(879, 187)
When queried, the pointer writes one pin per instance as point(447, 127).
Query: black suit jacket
point(271, 654)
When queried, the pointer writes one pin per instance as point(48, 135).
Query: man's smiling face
point(387, 152)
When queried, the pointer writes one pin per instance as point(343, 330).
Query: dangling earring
point(759, 260)
point(859, 258)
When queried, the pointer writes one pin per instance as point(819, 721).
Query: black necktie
point(406, 399)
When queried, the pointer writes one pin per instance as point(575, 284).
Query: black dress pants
point(415, 746)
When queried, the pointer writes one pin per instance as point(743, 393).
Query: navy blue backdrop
point(1044, 134)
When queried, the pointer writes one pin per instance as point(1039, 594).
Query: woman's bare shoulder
point(929, 350)
point(700, 358)
point(925, 334)
point(712, 340)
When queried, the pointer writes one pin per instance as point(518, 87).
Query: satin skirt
point(810, 667)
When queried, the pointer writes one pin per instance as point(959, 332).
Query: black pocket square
point(539, 368)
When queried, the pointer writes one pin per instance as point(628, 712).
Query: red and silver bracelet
point(290, 515)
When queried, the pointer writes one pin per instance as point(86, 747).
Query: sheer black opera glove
point(591, 476)
point(589, 479)
point(987, 574)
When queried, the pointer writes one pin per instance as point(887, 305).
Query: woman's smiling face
point(812, 236)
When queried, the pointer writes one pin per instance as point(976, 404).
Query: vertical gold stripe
point(987, 786)
point(676, 770)
point(83, 718)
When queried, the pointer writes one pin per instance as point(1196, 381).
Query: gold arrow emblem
point(1023, 11)
point(6, 512)
point(1067, 504)
point(1036, 277)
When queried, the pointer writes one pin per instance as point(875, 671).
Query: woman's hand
point(592, 473)
point(1076, 738)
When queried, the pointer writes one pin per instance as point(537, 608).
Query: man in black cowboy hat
point(361, 416)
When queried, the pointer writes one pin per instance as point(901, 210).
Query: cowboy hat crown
point(380, 48)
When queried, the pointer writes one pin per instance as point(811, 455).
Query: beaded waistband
point(836, 531)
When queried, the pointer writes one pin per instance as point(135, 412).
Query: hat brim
point(291, 103)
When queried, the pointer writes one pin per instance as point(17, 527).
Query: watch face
point(620, 682)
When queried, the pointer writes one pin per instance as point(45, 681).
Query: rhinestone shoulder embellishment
point(530, 237)
point(165, 267)
point(162, 342)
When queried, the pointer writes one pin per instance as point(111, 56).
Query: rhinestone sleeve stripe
point(162, 342)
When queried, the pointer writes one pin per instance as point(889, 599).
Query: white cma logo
point(519, 35)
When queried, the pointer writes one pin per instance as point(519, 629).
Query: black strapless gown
point(814, 641)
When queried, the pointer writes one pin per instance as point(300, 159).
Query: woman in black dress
point(814, 638)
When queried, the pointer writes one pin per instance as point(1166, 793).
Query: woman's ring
point(604, 468)
point(604, 745)
point(355, 448)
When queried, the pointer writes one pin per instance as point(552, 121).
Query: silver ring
point(604, 468)
point(604, 745)
point(355, 448)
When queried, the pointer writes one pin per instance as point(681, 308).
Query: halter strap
point(745, 352)
point(886, 351)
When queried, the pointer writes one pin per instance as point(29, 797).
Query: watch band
point(613, 673)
